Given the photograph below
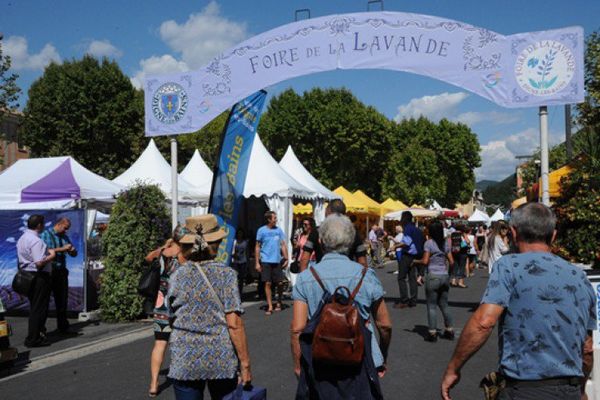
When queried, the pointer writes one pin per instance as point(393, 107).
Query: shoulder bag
point(150, 278)
point(23, 282)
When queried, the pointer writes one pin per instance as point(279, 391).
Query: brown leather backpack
point(338, 338)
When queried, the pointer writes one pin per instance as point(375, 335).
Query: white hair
point(337, 234)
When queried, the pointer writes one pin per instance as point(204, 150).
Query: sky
point(155, 37)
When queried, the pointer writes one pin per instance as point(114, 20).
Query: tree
point(87, 109)
point(9, 91)
point(589, 111)
point(454, 151)
point(139, 222)
point(339, 140)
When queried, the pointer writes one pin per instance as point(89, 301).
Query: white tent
point(479, 216)
point(294, 167)
point(151, 167)
point(198, 174)
point(93, 189)
point(498, 216)
point(436, 206)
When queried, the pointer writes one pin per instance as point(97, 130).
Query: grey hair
point(534, 223)
point(337, 234)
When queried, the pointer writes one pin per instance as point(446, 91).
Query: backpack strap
point(357, 288)
point(317, 278)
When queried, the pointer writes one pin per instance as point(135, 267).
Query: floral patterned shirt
point(200, 344)
point(549, 307)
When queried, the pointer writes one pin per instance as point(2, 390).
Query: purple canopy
point(59, 184)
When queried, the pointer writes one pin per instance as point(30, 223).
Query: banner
point(12, 225)
point(230, 176)
point(522, 70)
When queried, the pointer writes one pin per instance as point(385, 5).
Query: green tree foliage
point(501, 193)
point(589, 111)
point(139, 222)
point(9, 91)
point(206, 140)
point(87, 109)
point(453, 152)
point(340, 140)
point(578, 207)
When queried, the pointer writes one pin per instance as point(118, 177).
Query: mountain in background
point(484, 184)
point(502, 193)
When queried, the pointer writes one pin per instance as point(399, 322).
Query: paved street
point(415, 366)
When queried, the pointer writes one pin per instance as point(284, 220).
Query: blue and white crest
point(169, 103)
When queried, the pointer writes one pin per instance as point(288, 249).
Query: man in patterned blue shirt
point(546, 308)
point(56, 238)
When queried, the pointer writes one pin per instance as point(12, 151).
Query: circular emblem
point(169, 103)
point(545, 68)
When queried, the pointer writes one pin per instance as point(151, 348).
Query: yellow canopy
point(303, 208)
point(400, 205)
point(416, 206)
point(554, 180)
point(391, 204)
point(372, 204)
point(519, 201)
point(353, 204)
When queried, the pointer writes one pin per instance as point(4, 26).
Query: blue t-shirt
point(549, 307)
point(413, 240)
point(338, 270)
point(270, 244)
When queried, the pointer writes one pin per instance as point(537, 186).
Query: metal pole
point(174, 195)
point(568, 142)
point(544, 154)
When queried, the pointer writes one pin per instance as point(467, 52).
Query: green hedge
point(139, 222)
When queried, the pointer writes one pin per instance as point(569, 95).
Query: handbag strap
point(212, 291)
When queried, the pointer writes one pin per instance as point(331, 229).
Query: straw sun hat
point(205, 226)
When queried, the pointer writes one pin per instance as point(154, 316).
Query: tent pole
point(174, 193)
point(543, 113)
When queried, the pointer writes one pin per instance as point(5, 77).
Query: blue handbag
point(247, 393)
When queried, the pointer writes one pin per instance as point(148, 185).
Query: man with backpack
point(331, 334)
point(411, 249)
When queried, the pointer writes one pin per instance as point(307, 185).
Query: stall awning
point(353, 204)
point(372, 204)
point(554, 178)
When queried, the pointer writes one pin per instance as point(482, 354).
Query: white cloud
point(471, 118)
point(435, 107)
point(198, 40)
point(18, 50)
point(498, 157)
point(103, 48)
point(154, 65)
point(202, 36)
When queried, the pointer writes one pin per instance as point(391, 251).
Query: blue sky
point(154, 36)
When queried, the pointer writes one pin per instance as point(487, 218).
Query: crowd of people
point(543, 305)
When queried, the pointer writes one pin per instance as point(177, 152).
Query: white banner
point(522, 70)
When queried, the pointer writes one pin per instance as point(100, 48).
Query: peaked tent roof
point(265, 176)
point(362, 196)
point(479, 216)
point(416, 212)
point(57, 175)
point(393, 205)
point(198, 174)
point(498, 216)
point(151, 167)
point(353, 204)
point(294, 167)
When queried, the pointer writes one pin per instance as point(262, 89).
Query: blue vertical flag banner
point(230, 175)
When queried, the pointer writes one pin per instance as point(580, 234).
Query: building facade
point(11, 147)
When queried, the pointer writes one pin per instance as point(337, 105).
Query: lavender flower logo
point(545, 68)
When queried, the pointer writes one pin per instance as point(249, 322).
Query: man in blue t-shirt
point(546, 308)
point(270, 245)
point(411, 248)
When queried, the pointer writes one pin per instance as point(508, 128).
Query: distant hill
point(502, 193)
point(482, 185)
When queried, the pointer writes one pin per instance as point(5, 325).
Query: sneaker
point(431, 337)
point(41, 342)
point(448, 334)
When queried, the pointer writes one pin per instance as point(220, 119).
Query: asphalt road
point(415, 366)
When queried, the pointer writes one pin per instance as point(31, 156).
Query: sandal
point(278, 307)
point(269, 313)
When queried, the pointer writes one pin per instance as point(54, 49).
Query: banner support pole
point(174, 192)
point(543, 113)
